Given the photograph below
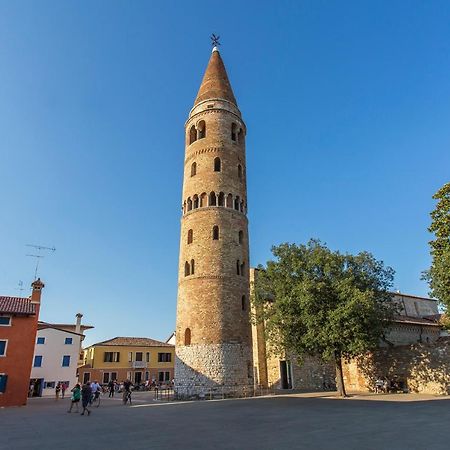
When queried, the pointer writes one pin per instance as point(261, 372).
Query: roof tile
point(16, 305)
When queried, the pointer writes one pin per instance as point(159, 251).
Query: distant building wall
point(52, 351)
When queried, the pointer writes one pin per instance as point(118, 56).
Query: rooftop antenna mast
point(39, 256)
point(20, 288)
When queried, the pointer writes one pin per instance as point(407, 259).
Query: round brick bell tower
point(213, 333)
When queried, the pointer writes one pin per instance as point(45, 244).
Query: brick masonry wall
point(209, 301)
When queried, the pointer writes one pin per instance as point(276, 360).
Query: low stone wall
point(424, 368)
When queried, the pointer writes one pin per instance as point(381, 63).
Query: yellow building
point(121, 358)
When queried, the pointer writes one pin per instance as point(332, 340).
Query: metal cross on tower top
point(215, 40)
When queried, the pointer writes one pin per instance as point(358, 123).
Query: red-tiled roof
point(416, 320)
point(16, 305)
point(134, 341)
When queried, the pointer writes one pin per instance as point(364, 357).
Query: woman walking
point(75, 399)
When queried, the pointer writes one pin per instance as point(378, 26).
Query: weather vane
point(215, 40)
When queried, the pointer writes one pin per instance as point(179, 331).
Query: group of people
point(383, 385)
point(90, 392)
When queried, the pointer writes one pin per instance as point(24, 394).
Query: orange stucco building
point(18, 326)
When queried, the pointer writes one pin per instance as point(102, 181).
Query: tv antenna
point(39, 256)
point(20, 288)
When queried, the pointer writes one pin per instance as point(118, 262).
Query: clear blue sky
point(348, 112)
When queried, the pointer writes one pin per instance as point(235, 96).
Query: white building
point(56, 356)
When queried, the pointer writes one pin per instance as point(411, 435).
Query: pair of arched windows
point(189, 269)
point(240, 268)
point(197, 132)
point(215, 235)
point(217, 167)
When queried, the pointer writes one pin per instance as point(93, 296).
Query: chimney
point(78, 324)
point(37, 286)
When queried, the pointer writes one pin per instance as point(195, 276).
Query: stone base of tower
point(214, 370)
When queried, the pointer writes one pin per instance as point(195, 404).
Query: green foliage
point(438, 275)
point(319, 302)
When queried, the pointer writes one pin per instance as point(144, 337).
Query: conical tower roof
point(215, 82)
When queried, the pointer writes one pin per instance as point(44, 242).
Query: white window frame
point(9, 324)
point(66, 343)
point(42, 360)
point(40, 337)
point(6, 348)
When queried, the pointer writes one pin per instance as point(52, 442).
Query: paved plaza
point(281, 422)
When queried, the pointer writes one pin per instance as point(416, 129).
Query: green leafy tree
point(438, 275)
point(322, 303)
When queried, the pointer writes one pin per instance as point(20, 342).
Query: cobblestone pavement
point(283, 422)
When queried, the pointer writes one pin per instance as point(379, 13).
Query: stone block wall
point(424, 368)
point(215, 368)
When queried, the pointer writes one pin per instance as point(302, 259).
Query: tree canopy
point(323, 303)
point(438, 275)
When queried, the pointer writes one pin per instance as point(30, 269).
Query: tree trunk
point(339, 376)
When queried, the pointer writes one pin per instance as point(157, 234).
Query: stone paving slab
point(299, 421)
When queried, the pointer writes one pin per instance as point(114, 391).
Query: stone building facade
point(412, 351)
point(213, 335)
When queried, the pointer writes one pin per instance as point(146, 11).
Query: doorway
point(285, 375)
point(38, 385)
point(137, 377)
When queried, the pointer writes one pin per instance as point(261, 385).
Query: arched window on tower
point(236, 203)
point(229, 201)
point(240, 136)
point(221, 199)
point(212, 199)
point(215, 233)
point(193, 169)
point(241, 236)
point(195, 201)
point(190, 236)
point(187, 269)
point(243, 303)
point(201, 126)
point(233, 132)
point(203, 199)
point(189, 204)
point(187, 336)
point(238, 267)
point(239, 171)
point(192, 266)
point(192, 135)
point(217, 164)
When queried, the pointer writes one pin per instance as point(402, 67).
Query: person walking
point(75, 399)
point(57, 390)
point(111, 388)
point(86, 396)
point(63, 389)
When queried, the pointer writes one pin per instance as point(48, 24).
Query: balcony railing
point(138, 364)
